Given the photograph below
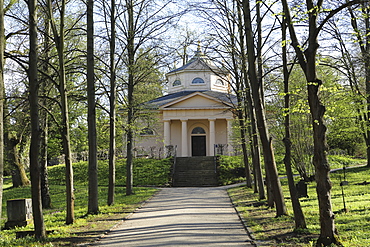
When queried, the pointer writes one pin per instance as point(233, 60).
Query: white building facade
point(197, 113)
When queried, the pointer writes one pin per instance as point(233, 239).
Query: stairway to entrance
point(198, 171)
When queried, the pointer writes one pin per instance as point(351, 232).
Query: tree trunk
point(93, 204)
point(2, 63)
point(307, 61)
point(38, 219)
point(244, 142)
point(19, 176)
point(130, 98)
point(45, 193)
point(256, 161)
point(299, 219)
point(260, 116)
point(44, 123)
point(59, 42)
point(112, 104)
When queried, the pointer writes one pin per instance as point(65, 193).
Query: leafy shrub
point(231, 169)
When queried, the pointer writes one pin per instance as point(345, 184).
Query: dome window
point(176, 83)
point(220, 82)
point(197, 81)
point(198, 130)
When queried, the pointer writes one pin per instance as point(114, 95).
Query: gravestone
point(301, 189)
point(19, 212)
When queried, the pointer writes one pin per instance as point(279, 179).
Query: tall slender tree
point(93, 205)
point(299, 219)
point(44, 116)
point(112, 104)
point(58, 37)
point(266, 140)
point(40, 231)
point(2, 62)
point(362, 33)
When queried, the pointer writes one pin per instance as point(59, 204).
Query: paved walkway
point(181, 217)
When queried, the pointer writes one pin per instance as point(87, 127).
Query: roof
point(166, 99)
point(198, 59)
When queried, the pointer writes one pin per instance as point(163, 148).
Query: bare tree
point(2, 62)
point(112, 104)
point(40, 231)
point(141, 24)
point(256, 91)
point(93, 205)
point(58, 37)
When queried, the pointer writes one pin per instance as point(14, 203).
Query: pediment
point(196, 101)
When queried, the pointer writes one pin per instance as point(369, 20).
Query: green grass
point(146, 172)
point(353, 226)
point(86, 228)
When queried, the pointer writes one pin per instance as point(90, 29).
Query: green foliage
point(231, 169)
point(145, 171)
point(339, 161)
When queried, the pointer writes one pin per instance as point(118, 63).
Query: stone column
point(212, 136)
point(184, 137)
point(167, 132)
point(229, 133)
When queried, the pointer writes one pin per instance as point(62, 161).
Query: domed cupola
point(199, 74)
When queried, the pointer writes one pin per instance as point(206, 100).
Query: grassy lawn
point(86, 228)
point(353, 226)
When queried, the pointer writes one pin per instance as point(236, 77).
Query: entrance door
point(198, 145)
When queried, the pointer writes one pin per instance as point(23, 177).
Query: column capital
point(212, 119)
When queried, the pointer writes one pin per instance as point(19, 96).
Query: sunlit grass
point(86, 227)
point(353, 226)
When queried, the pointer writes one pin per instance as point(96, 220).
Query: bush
point(231, 169)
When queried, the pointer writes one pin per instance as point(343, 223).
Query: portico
point(198, 136)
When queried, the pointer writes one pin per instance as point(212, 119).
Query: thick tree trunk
point(260, 116)
point(19, 176)
point(93, 204)
point(112, 105)
point(40, 231)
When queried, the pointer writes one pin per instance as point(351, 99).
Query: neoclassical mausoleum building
point(195, 115)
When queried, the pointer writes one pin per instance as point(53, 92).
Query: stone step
point(195, 172)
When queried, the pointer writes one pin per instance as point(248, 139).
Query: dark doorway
point(198, 145)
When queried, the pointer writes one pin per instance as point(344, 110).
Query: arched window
point(198, 130)
point(176, 83)
point(220, 82)
point(197, 80)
